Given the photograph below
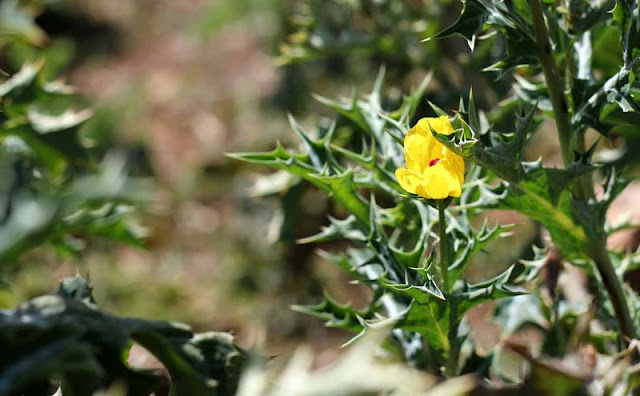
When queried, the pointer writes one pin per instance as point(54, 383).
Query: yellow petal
point(441, 182)
point(455, 164)
point(409, 180)
point(417, 145)
point(420, 146)
point(438, 181)
point(435, 184)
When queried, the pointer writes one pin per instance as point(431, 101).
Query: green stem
point(596, 249)
point(454, 348)
point(598, 253)
point(443, 263)
point(554, 85)
point(584, 186)
point(444, 248)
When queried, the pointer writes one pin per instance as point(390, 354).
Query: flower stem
point(444, 247)
point(443, 262)
point(595, 249)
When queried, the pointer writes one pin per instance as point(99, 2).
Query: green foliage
point(546, 52)
point(64, 337)
point(387, 29)
point(397, 265)
point(550, 53)
point(606, 103)
point(17, 23)
point(54, 192)
point(538, 192)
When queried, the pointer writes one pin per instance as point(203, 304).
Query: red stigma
point(434, 161)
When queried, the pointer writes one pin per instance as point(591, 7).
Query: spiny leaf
point(317, 151)
point(342, 316)
point(520, 51)
point(469, 24)
point(340, 186)
point(461, 141)
point(342, 189)
point(420, 293)
point(625, 14)
point(348, 228)
point(475, 243)
point(425, 220)
point(359, 263)
point(535, 191)
point(432, 321)
point(534, 197)
point(501, 155)
point(499, 287)
point(347, 109)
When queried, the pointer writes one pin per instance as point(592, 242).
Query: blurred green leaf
point(17, 23)
point(86, 347)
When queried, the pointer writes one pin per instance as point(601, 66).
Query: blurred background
point(176, 84)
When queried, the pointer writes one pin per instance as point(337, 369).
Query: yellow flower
point(433, 171)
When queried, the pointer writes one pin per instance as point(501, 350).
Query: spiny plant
point(547, 53)
point(392, 245)
point(558, 41)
